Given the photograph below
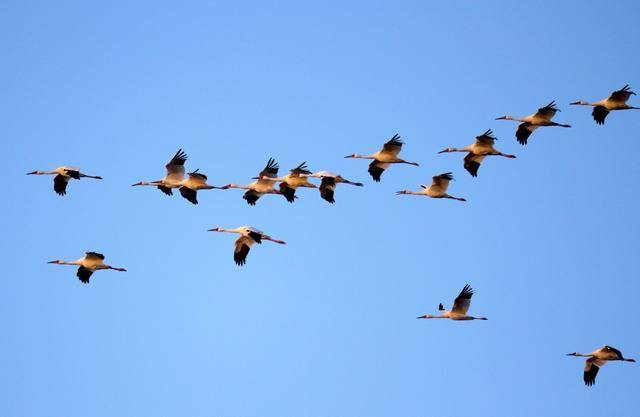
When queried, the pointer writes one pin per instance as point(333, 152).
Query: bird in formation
point(476, 152)
point(62, 177)
point(87, 265)
point(597, 359)
point(384, 158)
point(538, 119)
point(297, 177)
point(459, 310)
point(248, 236)
point(328, 183)
point(437, 189)
point(616, 101)
point(264, 184)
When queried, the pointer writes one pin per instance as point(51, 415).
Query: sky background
point(324, 326)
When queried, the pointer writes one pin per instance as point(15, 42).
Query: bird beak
point(501, 118)
point(349, 156)
point(575, 102)
point(52, 262)
point(443, 151)
point(137, 183)
point(32, 173)
point(421, 317)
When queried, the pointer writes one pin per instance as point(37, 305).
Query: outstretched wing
point(288, 192)
point(251, 196)
point(84, 274)
point(463, 301)
point(622, 95)
point(599, 113)
point(591, 368)
point(175, 167)
point(441, 181)
point(198, 176)
point(547, 112)
point(393, 146)
point(524, 131)
point(189, 194)
point(60, 184)
point(241, 250)
point(300, 170)
point(376, 168)
point(94, 256)
point(472, 163)
point(327, 188)
point(271, 169)
point(165, 190)
point(487, 138)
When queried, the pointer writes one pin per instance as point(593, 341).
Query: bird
point(264, 184)
point(248, 236)
point(476, 152)
point(437, 189)
point(459, 310)
point(597, 359)
point(530, 123)
point(62, 177)
point(87, 265)
point(329, 181)
point(616, 101)
point(297, 177)
point(175, 179)
point(384, 158)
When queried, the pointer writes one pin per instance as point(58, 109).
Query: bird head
point(572, 354)
point(579, 102)
point(215, 229)
point(353, 155)
point(503, 118)
point(139, 183)
point(426, 316)
point(446, 150)
point(57, 261)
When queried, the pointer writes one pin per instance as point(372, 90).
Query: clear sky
point(324, 326)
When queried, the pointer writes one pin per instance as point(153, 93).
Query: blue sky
point(324, 326)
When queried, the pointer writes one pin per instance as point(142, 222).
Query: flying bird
point(62, 177)
point(616, 101)
point(264, 184)
point(597, 359)
point(188, 187)
point(384, 158)
point(459, 310)
point(329, 181)
point(87, 265)
point(530, 123)
point(248, 236)
point(476, 152)
point(297, 177)
point(437, 189)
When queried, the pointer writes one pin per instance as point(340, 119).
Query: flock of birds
point(300, 177)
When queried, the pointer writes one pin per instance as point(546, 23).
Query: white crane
point(476, 152)
point(597, 359)
point(248, 236)
point(62, 177)
point(437, 189)
point(329, 182)
point(538, 119)
point(264, 183)
point(459, 310)
point(297, 177)
point(188, 187)
point(616, 101)
point(87, 265)
point(384, 158)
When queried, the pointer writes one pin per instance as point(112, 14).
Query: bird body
point(62, 176)
point(597, 359)
point(248, 236)
point(532, 122)
point(477, 151)
point(616, 101)
point(459, 310)
point(297, 177)
point(264, 184)
point(437, 189)
point(384, 158)
point(87, 265)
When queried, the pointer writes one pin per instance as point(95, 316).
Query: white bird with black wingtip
point(597, 359)
point(248, 236)
point(384, 158)
point(87, 265)
point(476, 152)
point(538, 119)
point(459, 310)
point(437, 189)
point(62, 177)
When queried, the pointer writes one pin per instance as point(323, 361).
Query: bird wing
point(288, 192)
point(487, 138)
point(251, 196)
point(72, 172)
point(271, 169)
point(599, 113)
point(241, 249)
point(524, 131)
point(547, 112)
point(189, 194)
point(165, 190)
point(622, 95)
point(94, 256)
point(327, 188)
point(612, 352)
point(463, 301)
point(60, 184)
point(472, 163)
point(175, 167)
point(376, 168)
point(198, 176)
point(393, 146)
point(84, 274)
point(591, 368)
point(300, 170)
point(441, 181)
